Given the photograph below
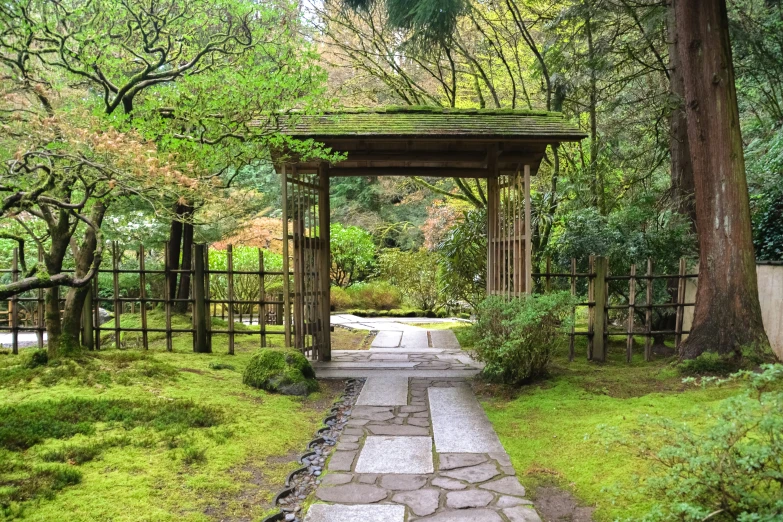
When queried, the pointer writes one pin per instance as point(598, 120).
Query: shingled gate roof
point(433, 123)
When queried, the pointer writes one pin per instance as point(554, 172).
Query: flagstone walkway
point(418, 446)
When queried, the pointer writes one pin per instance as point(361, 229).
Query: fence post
point(230, 269)
point(631, 312)
point(143, 297)
point(548, 286)
point(88, 327)
point(14, 305)
point(648, 312)
point(590, 306)
point(167, 297)
point(599, 291)
point(680, 302)
point(261, 298)
point(200, 302)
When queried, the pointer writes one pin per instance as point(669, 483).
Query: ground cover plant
point(132, 435)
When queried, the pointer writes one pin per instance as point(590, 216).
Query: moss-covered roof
point(432, 122)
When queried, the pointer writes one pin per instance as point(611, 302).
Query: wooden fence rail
point(601, 303)
point(207, 299)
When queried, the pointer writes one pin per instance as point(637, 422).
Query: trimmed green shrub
point(280, 370)
point(339, 299)
point(353, 254)
point(378, 295)
point(415, 274)
point(729, 470)
point(516, 338)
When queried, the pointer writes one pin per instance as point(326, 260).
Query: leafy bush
point(711, 363)
point(378, 295)
point(280, 370)
point(353, 254)
point(516, 338)
point(463, 252)
point(246, 286)
point(339, 299)
point(415, 273)
point(732, 470)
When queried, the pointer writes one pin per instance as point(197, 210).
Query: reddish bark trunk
point(727, 315)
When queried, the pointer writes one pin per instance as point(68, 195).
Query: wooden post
point(167, 294)
point(40, 303)
point(261, 298)
point(96, 311)
point(286, 316)
point(13, 305)
point(648, 312)
point(88, 326)
point(548, 285)
point(492, 220)
point(631, 313)
point(573, 311)
point(590, 306)
point(208, 297)
point(116, 297)
point(325, 265)
point(599, 328)
point(680, 302)
point(200, 301)
point(143, 297)
point(528, 242)
point(230, 260)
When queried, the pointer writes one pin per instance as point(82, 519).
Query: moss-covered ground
point(564, 430)
point(134, 435)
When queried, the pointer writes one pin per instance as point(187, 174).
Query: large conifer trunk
point(728, 314)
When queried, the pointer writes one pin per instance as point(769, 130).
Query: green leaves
point(353, 254)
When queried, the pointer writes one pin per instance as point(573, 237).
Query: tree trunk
point(181, 307)
point(727, 314)
point(57, 344)
point(682, 185)
point(175, 242)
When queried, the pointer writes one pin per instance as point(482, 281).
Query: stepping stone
point(504, 502)
point(422, 502)
point(506, 485)
point(352, 494)
point(464, 515)
point(336, 479)
point(459, 423)
point(360, 513)
point(414, 340)
point(448, 461)
point(474, 474)
point(387, 339)
point(400, 430)
point(444, 339)
point(522, 514)
point(384, 391)
point(471, 498)
point(401, 455)
point(449, 483)
point(341, 460)
point(403, 482)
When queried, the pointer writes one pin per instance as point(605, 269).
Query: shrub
point(730, 470)
point(353, 254)
point(37, 358)
point(415, 273)
point(516, 338)
point(707, 363)
point(463, 252)
point(339, 299)
point(378, 295)
point(280, 370)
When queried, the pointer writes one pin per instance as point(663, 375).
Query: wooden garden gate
point(306, 222)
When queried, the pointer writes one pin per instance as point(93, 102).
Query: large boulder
point(280, 370)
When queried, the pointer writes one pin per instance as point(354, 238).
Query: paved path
point(418, 446)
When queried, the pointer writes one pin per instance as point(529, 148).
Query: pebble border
point(303, 481)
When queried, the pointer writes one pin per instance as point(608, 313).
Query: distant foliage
point(415, 273)
point(353, 254)
point(246, 286)
point(516, 338)
point(731, 469)
point(463, 251)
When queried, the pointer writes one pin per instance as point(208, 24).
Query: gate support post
point(201, 344)
point(599, 290)
point(325, 262)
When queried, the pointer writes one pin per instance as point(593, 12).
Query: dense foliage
point(415, 273)
point(353, 254)
point(517, 338)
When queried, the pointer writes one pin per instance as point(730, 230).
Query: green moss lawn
point(129, 435)
point(565, 430)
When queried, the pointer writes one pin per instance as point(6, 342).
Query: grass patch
point(563, 430)
point(134, 435)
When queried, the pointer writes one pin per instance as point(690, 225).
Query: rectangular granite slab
point(459, 422)
point(414, 339)
point(381, 390)
point(444, 339)
point(396, 455)
point(355, 513)
point(387, 339)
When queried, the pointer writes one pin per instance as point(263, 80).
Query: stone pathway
point(418, 446)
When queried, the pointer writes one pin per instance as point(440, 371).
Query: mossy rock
point(280, 370)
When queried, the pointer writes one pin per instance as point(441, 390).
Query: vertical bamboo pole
point(230, 266)
point(324, 223)
point(208, 297)
point(167, 297)
point(590, 306)
point(599, 291)
point(117, 303)
point(13, 304)
point(286, 264)
point(648, 312)
point(680, 302)
point(261, 299)
point(200, 302)
point(143, 297)
point(528, 243)
point(573, 311)
point(631, 313)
